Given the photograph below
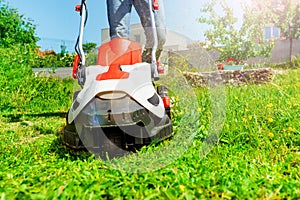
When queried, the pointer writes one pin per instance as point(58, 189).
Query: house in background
point(284, 48)
point(174, 42)
point(271, 32)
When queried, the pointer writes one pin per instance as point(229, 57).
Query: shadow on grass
point(64, 152)
point(17, 117)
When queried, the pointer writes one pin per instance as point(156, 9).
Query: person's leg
point(159, 16)
point(119, 12)
point(143, 10)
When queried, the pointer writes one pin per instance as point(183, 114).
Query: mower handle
point(79, 70)
point(83, 13)
point(154, 4)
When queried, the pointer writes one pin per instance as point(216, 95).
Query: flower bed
point(233, 67)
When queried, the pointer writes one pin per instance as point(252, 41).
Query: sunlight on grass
point(257, 156)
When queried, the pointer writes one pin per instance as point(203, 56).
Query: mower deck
point(103, 127)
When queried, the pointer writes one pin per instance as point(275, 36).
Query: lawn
point(256, 156)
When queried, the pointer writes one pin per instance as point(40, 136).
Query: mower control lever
point(155, 4)
point(78, 8)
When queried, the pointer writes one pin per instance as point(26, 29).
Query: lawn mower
point(118, 108)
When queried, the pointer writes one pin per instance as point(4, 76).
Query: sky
point(57, 19)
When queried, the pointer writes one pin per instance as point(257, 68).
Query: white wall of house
point(280, 53)
point(174, 42)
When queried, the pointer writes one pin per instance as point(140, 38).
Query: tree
point(232, 41)
point(284, 14)
point(14, 28)
point(296, 21)
point(89, 47)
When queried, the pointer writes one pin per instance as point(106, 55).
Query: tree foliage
point(15, 28)
point(230, 39)
point(284, 14)
point(89, 47)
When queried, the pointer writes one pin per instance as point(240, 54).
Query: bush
point(14, 28)
point(285, 65)
point(295, 63)
point(91, 58)
point(22, 92)
point(54, 61)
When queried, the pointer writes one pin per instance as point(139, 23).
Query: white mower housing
point(138, 86)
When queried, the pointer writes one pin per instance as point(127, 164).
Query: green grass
point(257, 156)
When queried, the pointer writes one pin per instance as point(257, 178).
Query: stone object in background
point(233, 77)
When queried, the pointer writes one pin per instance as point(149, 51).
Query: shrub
point(14, 28)
point(22, 92)
point(54, 61)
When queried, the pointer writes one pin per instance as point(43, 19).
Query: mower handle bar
point(153, 27)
